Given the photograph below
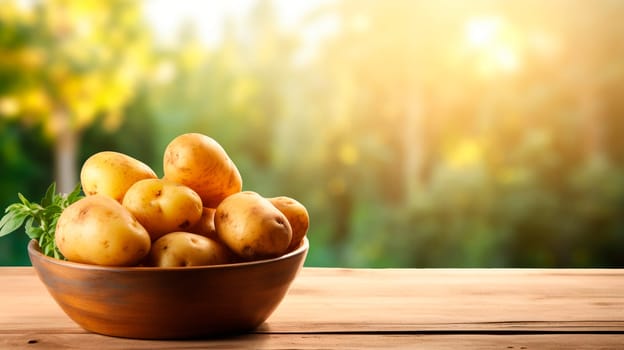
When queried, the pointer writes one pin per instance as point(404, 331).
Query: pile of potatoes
point(197, 214)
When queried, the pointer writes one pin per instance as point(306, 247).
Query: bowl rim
point(33, 249)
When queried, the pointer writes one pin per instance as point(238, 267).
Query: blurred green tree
point(66, 68)
point(418, 134)
point(465, 134)
point(66, 63)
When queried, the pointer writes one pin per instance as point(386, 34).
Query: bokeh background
point(417, 133)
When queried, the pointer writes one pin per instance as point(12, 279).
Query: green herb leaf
point(40, 219)
point(11, 222)
point(49, 195)
point(23, 199)
point(32, 231)
point(75, 194)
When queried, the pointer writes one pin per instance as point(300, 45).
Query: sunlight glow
point(209, 17)
point(491, 39)
point(482, 31)
point(360, 23)
point(506, 58)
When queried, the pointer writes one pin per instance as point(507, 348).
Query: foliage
point(69, 57)
point(39, 219)
point(418, 134)
point(24, 164)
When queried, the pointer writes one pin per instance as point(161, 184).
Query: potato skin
point(163, 206)
point(205, 226)
point(199, 162)
point(252, 227)
point(187, 249)
point(98, 230)
point(112, 173)
point(297, 216)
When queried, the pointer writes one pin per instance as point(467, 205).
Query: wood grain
point(377, 308)
point(320, 341)
point(325, 300)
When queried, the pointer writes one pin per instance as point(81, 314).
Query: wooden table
point(374, 308)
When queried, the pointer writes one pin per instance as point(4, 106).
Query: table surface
point(374, 308)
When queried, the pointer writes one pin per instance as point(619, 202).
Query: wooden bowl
point(169, 303)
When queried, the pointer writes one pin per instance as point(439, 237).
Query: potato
point(187, 249)
point(98, 230)
point(199, 162)
point(297, 216)
point(252, 227)
point(163, 206)
point(205, 225)
point(112, 173)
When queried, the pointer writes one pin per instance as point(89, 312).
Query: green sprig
point(39, 219)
